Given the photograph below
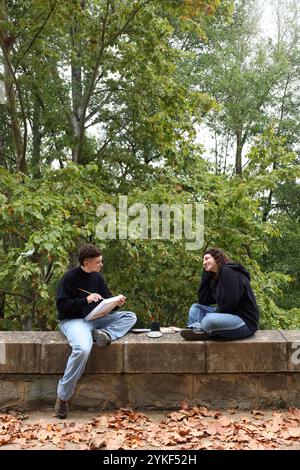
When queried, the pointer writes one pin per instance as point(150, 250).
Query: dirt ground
point(41, 430)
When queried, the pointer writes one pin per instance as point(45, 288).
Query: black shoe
point(61, 408)
point(101, 338)
point(194, 335)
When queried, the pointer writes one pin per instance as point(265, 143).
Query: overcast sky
point(268, 20)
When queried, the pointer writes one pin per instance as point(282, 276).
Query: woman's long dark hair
point(219, 257)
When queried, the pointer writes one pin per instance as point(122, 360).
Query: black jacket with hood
point(232, 293)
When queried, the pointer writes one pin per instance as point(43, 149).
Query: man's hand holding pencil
point(92, 297)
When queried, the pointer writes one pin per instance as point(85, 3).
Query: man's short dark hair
point(88, 251)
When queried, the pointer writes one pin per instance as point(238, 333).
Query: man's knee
point(82, 352)
point(132, 317)
point(127, 317)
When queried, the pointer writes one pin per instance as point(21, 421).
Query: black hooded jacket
point(232, 293)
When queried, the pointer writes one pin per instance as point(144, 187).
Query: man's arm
point(67, 301)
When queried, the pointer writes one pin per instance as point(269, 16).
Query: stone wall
point(139, 372)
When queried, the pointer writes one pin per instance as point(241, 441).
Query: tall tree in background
point(13, 90)
point(250, 77)
point(281, 205)
point(95, 79)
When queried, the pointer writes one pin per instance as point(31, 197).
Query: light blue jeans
point(222, 325)
point(79, 335)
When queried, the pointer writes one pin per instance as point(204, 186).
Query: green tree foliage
point(103, 64)
point(103, 98)
point(55, 214)
point(49, 216)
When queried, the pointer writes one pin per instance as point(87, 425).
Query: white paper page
point(106, 306)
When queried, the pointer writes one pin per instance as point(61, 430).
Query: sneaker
point(61, 408)
point(101, 338)
point(194, 335)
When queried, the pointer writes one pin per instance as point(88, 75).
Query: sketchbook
point(102, 309)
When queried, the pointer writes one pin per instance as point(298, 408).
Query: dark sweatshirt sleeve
point(67, 301)
point(230, 291)
point(205, 295)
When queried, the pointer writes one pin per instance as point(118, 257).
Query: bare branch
point(3, 291)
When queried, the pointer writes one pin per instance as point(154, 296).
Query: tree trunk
point(2, 304)
point(77, 105)
point(82, 99)
point(10, 82)
point(77, 110)
point(238, 153)
point(268, 207)
point(2, 153)
point(226, 155)
point(36, 138)
point(14, 121)
point(216, 153)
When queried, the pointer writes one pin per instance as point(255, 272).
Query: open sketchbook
point(102, 309)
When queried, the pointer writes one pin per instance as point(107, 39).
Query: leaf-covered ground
point(189, 428)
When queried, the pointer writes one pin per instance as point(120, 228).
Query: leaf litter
point(188, 428)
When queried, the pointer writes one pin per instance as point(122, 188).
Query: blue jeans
point(79, 335)
point(222, 325)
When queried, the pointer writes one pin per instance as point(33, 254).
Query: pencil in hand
point(90, 293)
point(86, 291)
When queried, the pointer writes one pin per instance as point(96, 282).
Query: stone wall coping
point(46, 352)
